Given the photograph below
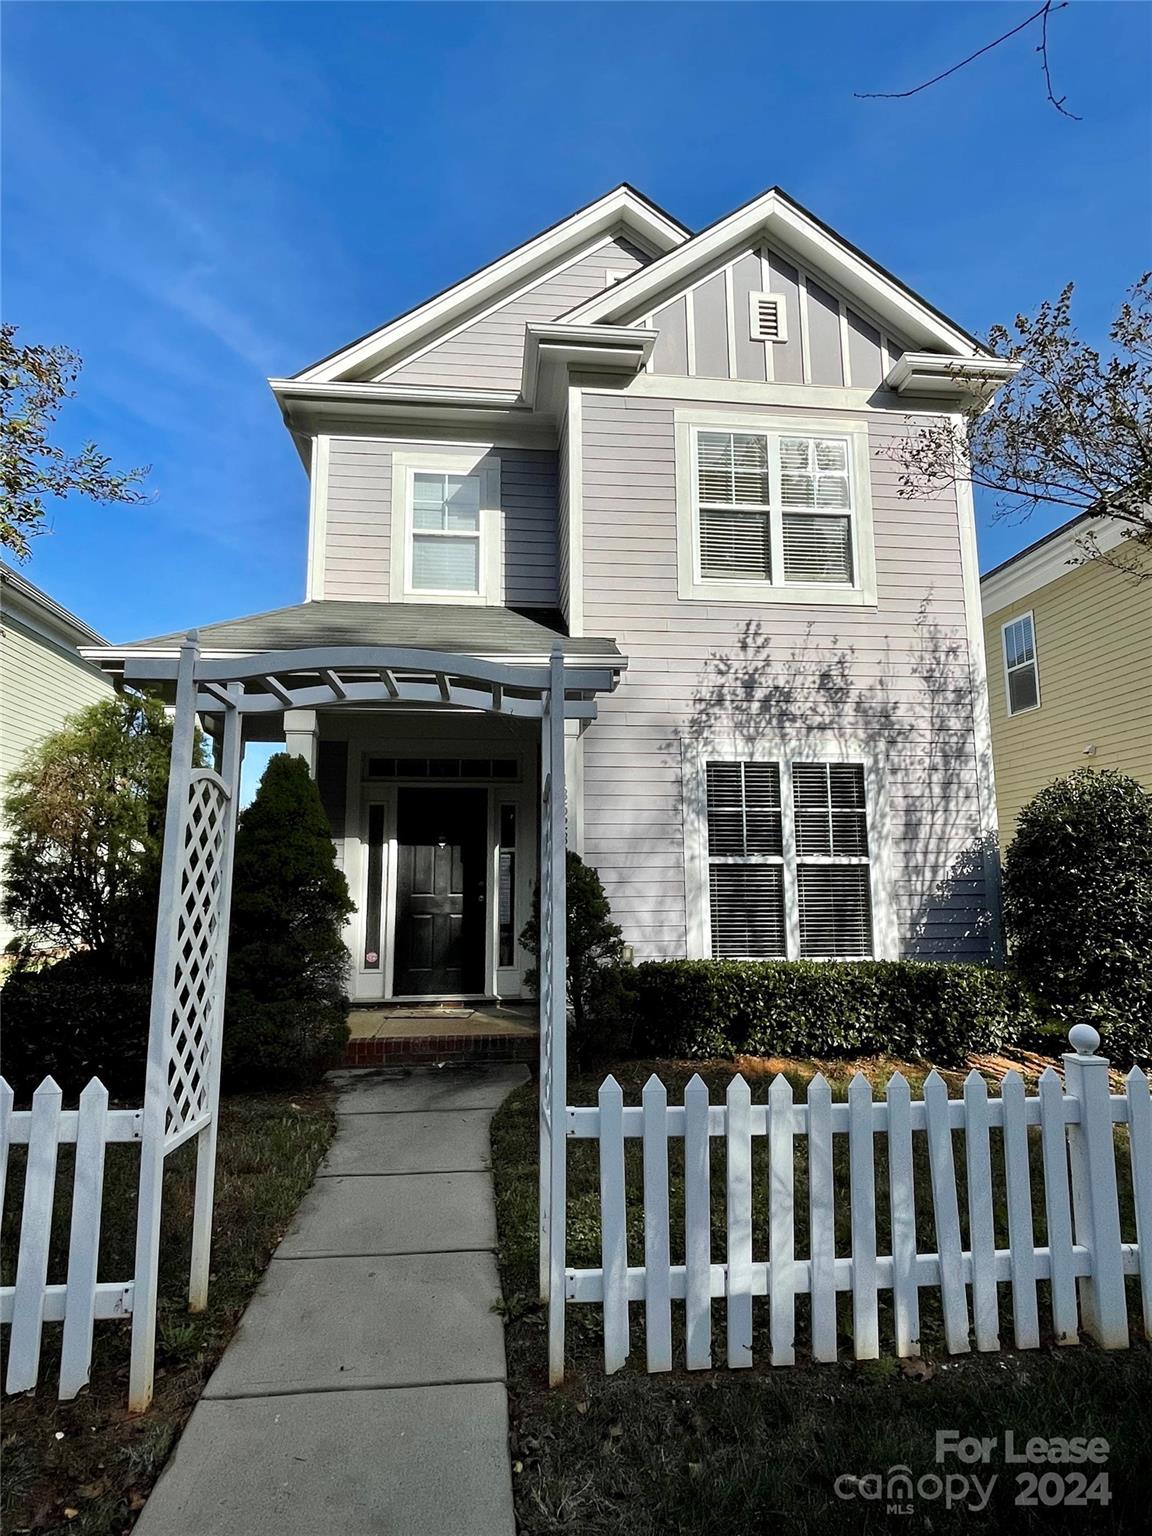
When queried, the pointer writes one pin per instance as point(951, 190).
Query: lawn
point(726, 1453)
point(88, 1465)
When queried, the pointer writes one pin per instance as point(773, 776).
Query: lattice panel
point(195, 978)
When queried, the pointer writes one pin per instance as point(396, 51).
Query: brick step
point(412, 1050)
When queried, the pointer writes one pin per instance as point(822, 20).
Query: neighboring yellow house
point(1069, 652)
point(43, 677)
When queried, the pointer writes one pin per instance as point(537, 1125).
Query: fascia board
point(1052, 558)
point(612, 348)
point(929, 373)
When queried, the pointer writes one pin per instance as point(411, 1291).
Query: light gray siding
point(896, 676)
point(697, 325)
point(488, 352)
point(357, 526)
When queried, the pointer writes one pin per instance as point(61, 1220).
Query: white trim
point(805, 339)
point(928, 373)
point(575, 513)
point(475, 318)
point(809, 245)
point(780, 300)
point(981, 713)
point(1028, 709)
point(1056, 556)
point(692, 587)
point(845, 359)
point(318, 517)
point(690, 333)
point(620, 206)
point(786, 750)
point(485, 466)
point(730, 321)
point(821, 397)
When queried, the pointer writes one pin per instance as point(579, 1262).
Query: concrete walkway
point(364, 1390)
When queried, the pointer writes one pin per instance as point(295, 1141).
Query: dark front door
point(441, 838)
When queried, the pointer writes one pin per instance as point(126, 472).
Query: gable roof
point(622, 208)
point(802, 235)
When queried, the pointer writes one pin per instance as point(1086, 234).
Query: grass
point(727, 1453)
point(88, 1465)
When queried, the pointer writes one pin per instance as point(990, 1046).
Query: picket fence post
point(1095, 1203)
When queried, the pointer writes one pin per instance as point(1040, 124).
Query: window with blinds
point(776, 509)
point(1021, 676)
point(445, 533)
point(826, 876)
point(745, 861)
point(833, 882)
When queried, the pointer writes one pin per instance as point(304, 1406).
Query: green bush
point(73, 1022)
point(705, 1008)
point(594, 946)
point(1078, 905)
point(286, 1014)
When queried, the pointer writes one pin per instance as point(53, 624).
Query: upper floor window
point(446, 531)
point(1021, 677)
point(773, 516)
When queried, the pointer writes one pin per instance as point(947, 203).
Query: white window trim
point(408, 462)
point(781, 302)
point(1007, 670)
point(786, 751)
point(692, 587)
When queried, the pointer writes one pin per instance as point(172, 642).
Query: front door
point(441, 885)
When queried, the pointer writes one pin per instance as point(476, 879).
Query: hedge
point(72, 1023)
point(711, 1008)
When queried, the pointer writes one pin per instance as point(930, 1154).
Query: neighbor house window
point(1022, 680)
point(789, 865)
point(446, 533)
point(767, 515)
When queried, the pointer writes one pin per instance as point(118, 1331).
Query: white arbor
point(183, 1082)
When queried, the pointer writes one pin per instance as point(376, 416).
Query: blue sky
point(199, 196)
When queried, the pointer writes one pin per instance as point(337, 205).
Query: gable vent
point(769, 317)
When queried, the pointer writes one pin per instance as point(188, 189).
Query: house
point(1069, 642)
point(669, 454)
point(43, 677)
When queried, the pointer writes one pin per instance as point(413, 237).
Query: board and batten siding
point(706, 331)
point(896, 676)
point(488, 352)
point(357, 535)
point(1093, 628)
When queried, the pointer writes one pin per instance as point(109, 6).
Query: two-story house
point(676, 454)
point(1068, 633)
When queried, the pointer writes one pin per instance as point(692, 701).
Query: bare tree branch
point(1042, 49)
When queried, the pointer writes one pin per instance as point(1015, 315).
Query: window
point(789, 863)
point(445, 533)
point(769, 314)
point(441, 768)
point(506, 948)
point(446, 538)
point(1021, 677)
point(772, 516)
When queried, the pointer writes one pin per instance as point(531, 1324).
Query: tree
point(34, 382)
point(285, 1009)
point(594, 940)
point(1072, 429)
point(86, 815)
point(1078, 904)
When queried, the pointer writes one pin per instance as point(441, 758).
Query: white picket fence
point(1084, 1260)
point(82, 1299)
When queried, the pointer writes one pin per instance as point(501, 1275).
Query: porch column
point(301, 732)
point(553, 968)
point(574, 775)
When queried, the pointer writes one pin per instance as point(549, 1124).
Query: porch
point(411, 1035)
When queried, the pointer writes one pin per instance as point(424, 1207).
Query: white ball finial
point(1083, 1039)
